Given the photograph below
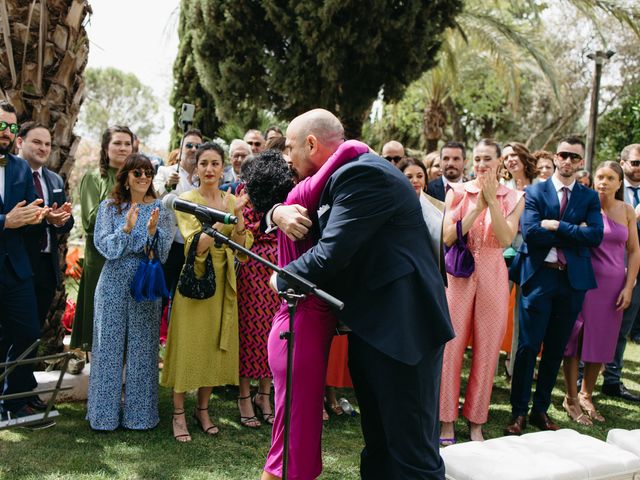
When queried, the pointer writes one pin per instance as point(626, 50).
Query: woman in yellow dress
point(202, 342)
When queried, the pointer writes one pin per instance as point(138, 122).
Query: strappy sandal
point(180, 437)
point(336, 409)
point(445, 442)
point(586, 403)
point(579, 418)
point(212, 430)
point(249, 422)
point(266, 417)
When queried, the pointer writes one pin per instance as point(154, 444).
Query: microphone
point(204, 214)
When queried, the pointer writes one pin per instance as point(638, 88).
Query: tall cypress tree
point(187, 87)
point(289, 56)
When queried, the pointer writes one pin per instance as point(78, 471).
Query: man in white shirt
point(178, 179)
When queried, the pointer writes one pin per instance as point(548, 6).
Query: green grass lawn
point(70, 450)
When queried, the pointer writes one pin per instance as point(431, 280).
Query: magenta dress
point(599, 322)
point(314, 326)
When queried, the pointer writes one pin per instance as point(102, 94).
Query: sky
point(139, 37)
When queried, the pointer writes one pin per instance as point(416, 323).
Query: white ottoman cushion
point(626, 439)
point(560, 455)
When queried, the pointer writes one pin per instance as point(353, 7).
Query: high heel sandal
point(266, 417)
point(178, 437)
point(579, 418)
point(586, 403)
point(249, 422)
point(213, 429)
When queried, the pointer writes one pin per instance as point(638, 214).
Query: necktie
point(636, 199)
point(447, 188)
point(38, 186)
point(563, 206)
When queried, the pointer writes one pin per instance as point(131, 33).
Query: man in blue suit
point(561, 220)
point(34, 146)
point(18, 208)
point(374, 254)
point(452, 159)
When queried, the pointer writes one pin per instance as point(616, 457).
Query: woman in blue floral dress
point(125, 329)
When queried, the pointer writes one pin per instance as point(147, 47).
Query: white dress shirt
point(2, 181)
point(184, 185)
point(552, 256)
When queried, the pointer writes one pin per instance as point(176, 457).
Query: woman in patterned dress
point(257, 304)
point(489, 213)
point(202, 343)
point(125, 328)
point(95, 186)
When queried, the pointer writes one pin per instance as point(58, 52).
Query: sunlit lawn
point(70, 450)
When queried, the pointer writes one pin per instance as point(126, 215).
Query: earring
point(126, 186)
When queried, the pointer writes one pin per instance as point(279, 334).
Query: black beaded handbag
point(188, 284)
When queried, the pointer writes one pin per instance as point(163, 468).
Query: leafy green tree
point(619, 127)
point(288, 56)
point(117, 97)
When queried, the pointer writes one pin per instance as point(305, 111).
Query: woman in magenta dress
point(314, 326)
point(596, 330)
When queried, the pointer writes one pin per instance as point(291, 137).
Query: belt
point(555, 266)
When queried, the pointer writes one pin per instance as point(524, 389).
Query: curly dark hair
point(268, 179)
point(104, 146)
point(121, 195)
point(529, 162)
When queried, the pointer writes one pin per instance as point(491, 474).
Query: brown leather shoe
point(542, 421)
point(516, 425)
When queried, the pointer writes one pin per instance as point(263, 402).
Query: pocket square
point(57, 190)
point(323, 209)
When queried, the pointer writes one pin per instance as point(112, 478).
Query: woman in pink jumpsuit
point(478, 305)
point(314, 326)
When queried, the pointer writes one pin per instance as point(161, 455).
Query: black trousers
point(20, 328)
point(400, 407)
point(172, 268)
point(45, 285)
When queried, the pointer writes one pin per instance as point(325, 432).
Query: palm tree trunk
point(44, 52)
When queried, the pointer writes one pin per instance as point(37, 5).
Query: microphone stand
point(297, 291)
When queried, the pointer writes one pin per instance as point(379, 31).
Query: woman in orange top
point(478, 305)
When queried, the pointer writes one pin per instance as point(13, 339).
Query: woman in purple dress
point(595, 332)
point(314, 325)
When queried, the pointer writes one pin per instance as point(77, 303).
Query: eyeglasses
point(13, 127)
point(239, 155)
point(192, 145)
point(634, 163)
point(575, 157)
point(394, 159)
point(255, 144)
point(146, 172)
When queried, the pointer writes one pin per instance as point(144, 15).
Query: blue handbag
point(148, 283)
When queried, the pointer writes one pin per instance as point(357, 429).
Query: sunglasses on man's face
point(575, 157)
point(634, 163)
point(146, 172)
point(13, 127)
point(192, 145)
point(394, 159)
point(255, 144)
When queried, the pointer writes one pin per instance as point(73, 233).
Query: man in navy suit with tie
point(34, 146)
point(561, 220)
point(18, 208)
point(452, 158)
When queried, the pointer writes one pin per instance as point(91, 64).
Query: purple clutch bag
point(458, 259)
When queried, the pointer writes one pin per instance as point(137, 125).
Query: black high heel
point(212, 430)
point(186, 436)
point(249, 422)
point(266, 417)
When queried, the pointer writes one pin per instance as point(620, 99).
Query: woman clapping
point(126, 224)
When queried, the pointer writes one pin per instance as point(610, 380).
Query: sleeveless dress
point(599, 323)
